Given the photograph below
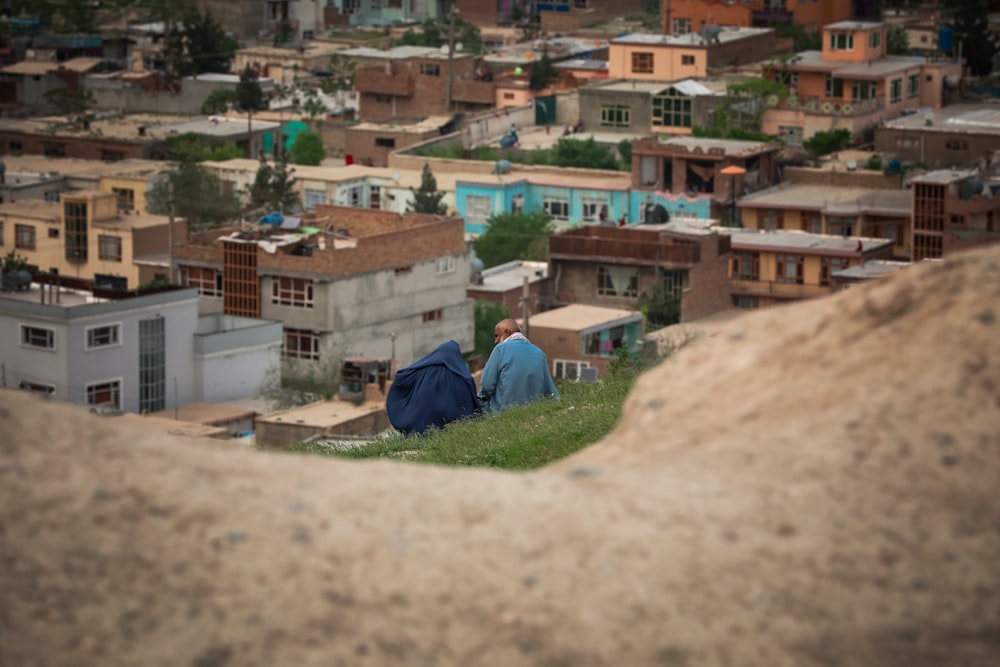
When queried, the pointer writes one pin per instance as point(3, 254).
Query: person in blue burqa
point(432, 391)
point(517, 372)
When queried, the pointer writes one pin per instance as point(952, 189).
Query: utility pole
point(170, 228)
point(526, 306)
point(451, 55)
point(667, 28)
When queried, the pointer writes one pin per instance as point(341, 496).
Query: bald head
point(503, 329)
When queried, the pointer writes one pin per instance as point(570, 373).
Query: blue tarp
point(433, 391)
point(274, 218)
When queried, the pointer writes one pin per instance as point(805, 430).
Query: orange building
point(669, 58)
point(684, 16)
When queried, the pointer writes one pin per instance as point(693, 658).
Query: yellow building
point(131, 188)
point(84, 236)
point(769, 268)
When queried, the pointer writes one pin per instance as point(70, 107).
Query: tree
point(249, 97)
point(341, 75)
point(584, 153)
point(487, 314)
point(209, 48)
point(197, 196)
point(543, 72)
point(434, 33)
point(512, 236)
point(219, 101)
point(625, 150)
point(427, 198)
point(273, 187)
point(193, 147)
point(71, 101)
point(971, 25)
point(823, 143)
point(661, 308)
point(896, 42)
point(307, 148)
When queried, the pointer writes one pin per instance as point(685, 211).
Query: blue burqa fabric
point(433, 391)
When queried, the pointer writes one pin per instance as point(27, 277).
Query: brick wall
point(741, 51)
point(86, 148)
point(363, 143)
point(709, 279)
point(843, 179)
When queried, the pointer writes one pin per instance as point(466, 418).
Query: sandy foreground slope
point(814, 485)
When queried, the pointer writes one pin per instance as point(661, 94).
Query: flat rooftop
point(35, 209)
point(511, 275)
point(751, 239)
point(583, 64)
point(581, 318)
point(853, 25)
point(944, 176)
point(961, 118)
point(832, 200)
point(873, 268)
point(813, 61)
point(726, 34)
point(730, 146)
point(111, 126)
point(323, 414)
point(399, 53)
point(605, 180)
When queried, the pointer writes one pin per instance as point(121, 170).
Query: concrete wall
point(233, 355)
point(862, 178)
point(113, 94)
point(935, 149)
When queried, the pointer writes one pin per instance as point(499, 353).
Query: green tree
point(487, 314)
point(71, 101)
point(192, 147)
point(512, 236)
point(896, 42)
point(249, 96)
point(219, 101)
point(823, 143)
point(543, 72)
point(209, 48)
point(307, 148)
point(625, 150)
point(13, 262)
point(971, 24)
point(427, 198)
point(661, 307)
point(273, 187)
point(584, 153)
point(341, 75)
point(434, 33)
point(801, 40)
point(197, 196)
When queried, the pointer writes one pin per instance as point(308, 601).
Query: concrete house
point(853, 84)
point(770, 268)
point(516, 285)
point(343, 281)
point(672, 57)
point(953, 210)
point(579, 337)
point(684, 16)
point(86, 236)
point(132, 351)
point(647, 107)
point(954, 136)
point(613, 267)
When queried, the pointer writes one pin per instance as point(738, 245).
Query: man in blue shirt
point(517, 372)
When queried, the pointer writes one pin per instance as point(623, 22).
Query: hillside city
point(241, 217)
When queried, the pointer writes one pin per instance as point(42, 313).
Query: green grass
point(517, 439)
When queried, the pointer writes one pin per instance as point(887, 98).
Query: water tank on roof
point(894, 166)
point(970, 188)
point(945, 40)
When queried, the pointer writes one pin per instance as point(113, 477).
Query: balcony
point(376, 81)
point(776, 290)
point(622, 251)
point(831, 107)
point(475, 92)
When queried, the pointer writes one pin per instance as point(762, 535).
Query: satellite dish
point(852, 165)
point(459, 47)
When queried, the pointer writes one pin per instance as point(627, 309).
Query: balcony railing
point(778, 290)
point(634, 252)
point(827, 107)
point(375, 80)
point(477, 92)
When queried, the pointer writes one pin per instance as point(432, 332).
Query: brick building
point(615, 266)
point(669, 58)
point(954, 136)
point(505, 284)
point(349, 283)
point(954, 210)
point(684, 16)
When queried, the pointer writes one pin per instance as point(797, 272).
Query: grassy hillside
point(518, 439)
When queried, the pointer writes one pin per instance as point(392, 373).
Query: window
point(517, 204)
point(828, 265)
point(956, 145)
point(913, 86)
point(595, 210)
point(208, 281)
point(773, 219)
point(39, 337)
point(681, 26)
point(430, 69)
point(301, 344)
point(568, 370)
point(557, 208)
point(385, 142)
point(105, 393)
point(896, 91)
point(508, 96)
point(403, 270)
point(615, 115)
point(152, 364)
point(53, 232)
point(376, 6)
point(617, 281)
point(840, 225)
point(790, 269)
point(834, 87)
point(687, 60)
point(75, 217)
point(355, 195)
point(446, 264)
point(814, 223)
point(863, 90)
point(433, 315)
point(296, 292)
point(478, 208)
point(672, 109)
point(313, 198)
point(126, 198)
point(24, 237)
point(642, 62)
point(746, 302)
point(107, 335)
point(112, 156)
point(109, 248)
point(37, 387)
point(874, 40)
point(746, 266)
point(53, 150)
point(375, 198)
point(14, 145)
point(841, 42)
point(351, 6)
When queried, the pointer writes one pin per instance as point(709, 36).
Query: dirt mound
point(812, 485)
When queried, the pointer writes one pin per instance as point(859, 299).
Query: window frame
point(739, 269)
point(896, 91)
point(25, 342)
point(478, 208)
point(559, 369)
point(310, 351)
point(25, 237)
point(642, 62)
point(116, 386)
point(606, 281)
point(672, 105)
point(105, 241)
point(784, 260)
point(292, 292)
point(845, 39)
point(207, 288)
point(40, 388)
point(616, 115)
point(90, 343)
